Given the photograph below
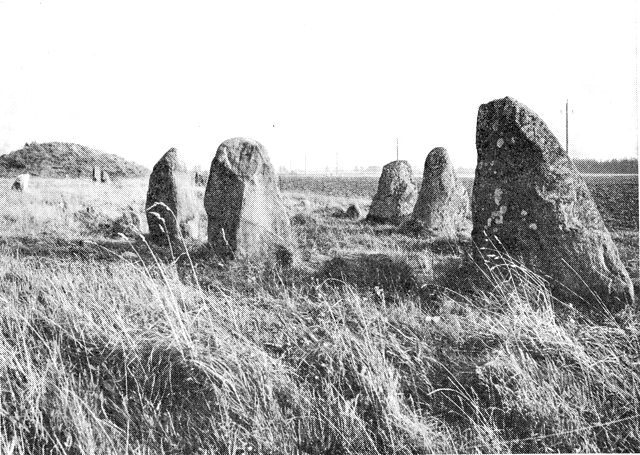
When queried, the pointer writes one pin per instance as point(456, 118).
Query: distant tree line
point(623, 166)
point(585, 166)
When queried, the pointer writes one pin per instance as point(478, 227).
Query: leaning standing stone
point(104, 177)
point(247, 217)
point(21, 183)
point(443, 208)
point(530, 201)
point(396, 194)
point(171, 201)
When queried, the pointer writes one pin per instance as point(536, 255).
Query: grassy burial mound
point(62, 159)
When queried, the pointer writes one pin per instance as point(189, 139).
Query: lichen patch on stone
point(497, 196)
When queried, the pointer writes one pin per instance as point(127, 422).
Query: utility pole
point(567, 125)
point(636, 81)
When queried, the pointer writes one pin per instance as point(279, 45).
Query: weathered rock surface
point(21, 183)
point(246, 213)
point(443, 208)
point(104, 177)
point(396, 195)
point(170, 190)
point(200, 179)
point(530, 201)
point(354, 212)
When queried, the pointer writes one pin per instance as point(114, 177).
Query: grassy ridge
point(62, 159)
point(110, 347)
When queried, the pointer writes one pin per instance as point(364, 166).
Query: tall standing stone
point(171, 201)
point(21, 183)
point(247, 217)
point(96, 174)
point(443, 208)
point(396, 195)
point(104, 177)
point(530, 201)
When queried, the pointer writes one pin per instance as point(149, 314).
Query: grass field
point(401, 346)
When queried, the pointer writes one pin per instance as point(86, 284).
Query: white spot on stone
point(500, 143)
point(513, 140)
point(524, 213)
point(497, 196)
point(533, 226)
point(497, 217)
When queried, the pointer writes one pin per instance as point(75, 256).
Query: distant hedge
point(624, 166)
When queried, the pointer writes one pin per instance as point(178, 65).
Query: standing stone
point(96, 174)
point(104, 177)
point(396, 194)
point(443, 207)
point(21, 183)
point(530, 201)
point(247, 217)
point(170, 190)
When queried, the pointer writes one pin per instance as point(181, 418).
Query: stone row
point(529, 204)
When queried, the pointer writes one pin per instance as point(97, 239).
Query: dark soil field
point(615, 195)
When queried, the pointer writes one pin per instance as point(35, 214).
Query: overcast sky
point(319, 79)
